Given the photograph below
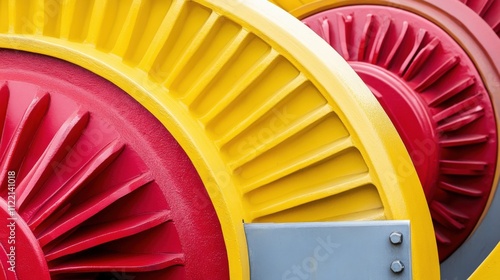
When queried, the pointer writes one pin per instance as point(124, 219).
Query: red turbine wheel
point(101, 190)
point(435, 97)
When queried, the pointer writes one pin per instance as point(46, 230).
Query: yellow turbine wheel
point(276, 134)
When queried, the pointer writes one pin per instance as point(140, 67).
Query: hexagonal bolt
point(397, 266)
point(396, 238)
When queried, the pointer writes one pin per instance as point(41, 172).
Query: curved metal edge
point(400, 181)
point(480, 42)
point(380, 133)
point(471, 254)
point(490, 268)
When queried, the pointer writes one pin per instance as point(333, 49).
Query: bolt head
point(397, 266)
point(396, 238)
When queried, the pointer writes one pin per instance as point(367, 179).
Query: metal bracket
point(329, 250)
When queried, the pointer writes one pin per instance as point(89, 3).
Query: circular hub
point(101, 189)
point(434, 96)
point(407, 111)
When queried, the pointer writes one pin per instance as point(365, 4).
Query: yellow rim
point(490, 267)
point(304, 8)
point(275, 133)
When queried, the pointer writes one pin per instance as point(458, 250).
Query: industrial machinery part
point(274, 132)
point(93, 185)
point(489, 10)
point(433, 67)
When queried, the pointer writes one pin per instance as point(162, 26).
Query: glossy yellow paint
point(275, 133)
point(304, 8)
point(489, 268)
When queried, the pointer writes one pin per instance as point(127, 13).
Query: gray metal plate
point(327, 251)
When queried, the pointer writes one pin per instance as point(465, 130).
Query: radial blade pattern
point(489, 10)
point(241, 88)
point(89, 185)
point(434, 95)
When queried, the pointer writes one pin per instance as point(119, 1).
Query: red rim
point(102, 188)
point(435, 97)
point(489, 10)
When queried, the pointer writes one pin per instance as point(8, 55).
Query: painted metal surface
point(434, 95)
point(490, 267)
point(479, 42)
point(330, 250)
point(489, 10)
point(95, 186)
point(475, 250)
point(275, 133)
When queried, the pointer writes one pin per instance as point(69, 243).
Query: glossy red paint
point(102, 190)
point(489, 10)
point(435, 97)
